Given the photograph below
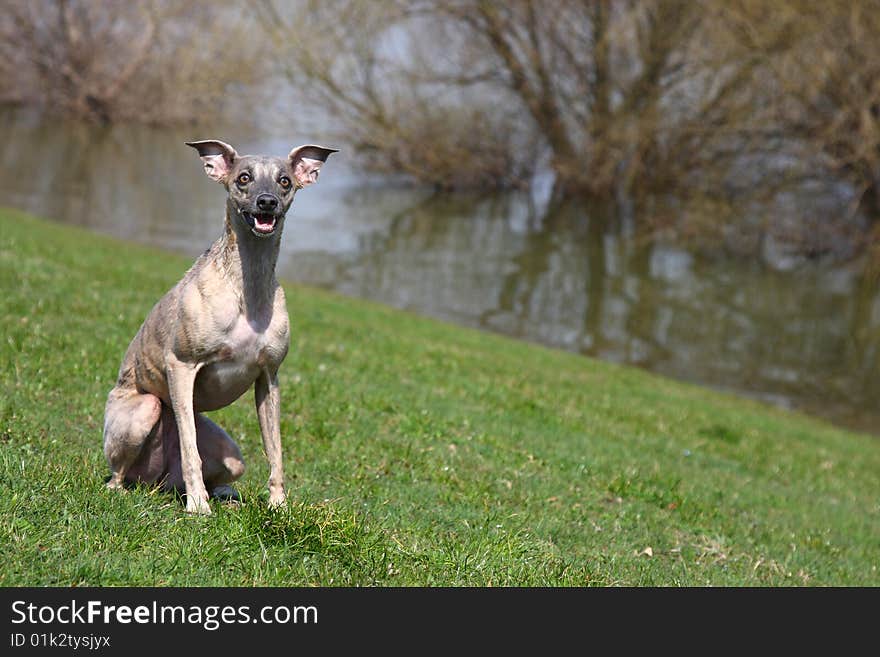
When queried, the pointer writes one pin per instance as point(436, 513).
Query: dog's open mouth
point(261, 223)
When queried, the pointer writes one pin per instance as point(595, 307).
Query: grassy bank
point(417, 453)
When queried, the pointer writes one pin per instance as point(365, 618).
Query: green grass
point(416, 453)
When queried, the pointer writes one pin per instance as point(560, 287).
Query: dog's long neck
point(248, 262)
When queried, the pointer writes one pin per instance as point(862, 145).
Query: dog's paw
point(277, 500)
point(115, 482)
point(197, 505)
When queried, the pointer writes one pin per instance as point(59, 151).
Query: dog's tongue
point(265, 223)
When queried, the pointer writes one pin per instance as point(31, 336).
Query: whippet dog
point(222, 329)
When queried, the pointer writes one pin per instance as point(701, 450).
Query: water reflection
point(576, 279)
point(565, 275)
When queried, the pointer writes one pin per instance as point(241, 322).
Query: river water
point(803, 336)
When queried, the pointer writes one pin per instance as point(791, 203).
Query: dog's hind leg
point(130, 423)
point(222, 462)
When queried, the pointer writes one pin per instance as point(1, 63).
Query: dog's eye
point(243, 178)
point(284, 181)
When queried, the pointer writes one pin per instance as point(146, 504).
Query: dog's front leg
point(268, 400)
point(181, 381)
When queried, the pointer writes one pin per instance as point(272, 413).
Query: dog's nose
point(267, 202)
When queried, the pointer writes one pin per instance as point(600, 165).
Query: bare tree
point(609, 95)
point(828, 97)
point(360, 67)
point(146, 60)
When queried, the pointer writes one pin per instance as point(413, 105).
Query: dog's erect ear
point(217, 156)
point(306, 161)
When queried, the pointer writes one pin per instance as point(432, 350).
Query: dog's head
point(260, 188)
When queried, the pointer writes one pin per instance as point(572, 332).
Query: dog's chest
point(245, 344)
point(240, 357)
